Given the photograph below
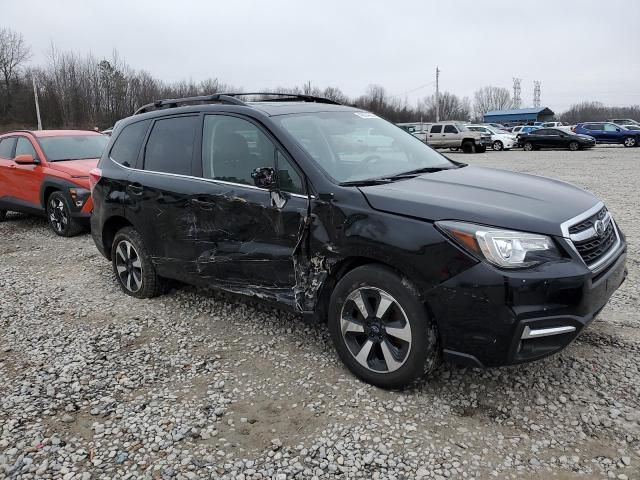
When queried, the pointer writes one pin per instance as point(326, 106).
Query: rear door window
point(24, 147)
point(6, 147)
point(170, 145)
point(594, 126)
point(126, 148)
point(436, 129)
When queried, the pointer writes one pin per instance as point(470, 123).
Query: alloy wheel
point(497, 145)
point(629, 142)
point(128, 266)
point(375, 329)
point(528, 146)
point(58, 216)
point(573, 146)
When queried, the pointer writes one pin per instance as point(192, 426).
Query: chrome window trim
point(208, 180)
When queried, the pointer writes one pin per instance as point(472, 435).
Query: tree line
point(82, 91)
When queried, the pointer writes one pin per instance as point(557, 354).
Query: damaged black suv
point(341, 216)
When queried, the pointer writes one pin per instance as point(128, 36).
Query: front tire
point(467, 147)
point(132, 265)
point(630, 142)
point(481, 148)
point(528, 146)
point(59, 216)
point(498, 146)
point(380, 329)
point(574, 146)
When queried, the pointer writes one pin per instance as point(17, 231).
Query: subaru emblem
point(599, 227)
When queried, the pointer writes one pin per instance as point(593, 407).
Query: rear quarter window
point(127, 146)
point(171, 145)
point(6, 147)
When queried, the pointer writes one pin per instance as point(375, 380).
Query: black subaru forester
point(341, 216)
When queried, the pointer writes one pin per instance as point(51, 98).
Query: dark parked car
point(607, 132)
point(555, 138)
point(408, 255)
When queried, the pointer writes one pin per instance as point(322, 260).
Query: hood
point(75, 168)
point(486, 196)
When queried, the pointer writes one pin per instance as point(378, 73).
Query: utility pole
point(437, 95)
point(35, 95)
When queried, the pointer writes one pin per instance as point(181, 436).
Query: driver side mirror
point(264, 177)
point(26, 159)
point(618, 130)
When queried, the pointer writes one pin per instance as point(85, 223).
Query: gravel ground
point(95, 384)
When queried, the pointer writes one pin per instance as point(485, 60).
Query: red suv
point(46, 172)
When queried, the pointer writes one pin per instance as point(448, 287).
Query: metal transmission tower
point(536, 93)
point(517, 101)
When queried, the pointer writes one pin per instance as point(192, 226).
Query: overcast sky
point(587, 50)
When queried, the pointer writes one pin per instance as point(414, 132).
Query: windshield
point(73, 147)
point(355, 145)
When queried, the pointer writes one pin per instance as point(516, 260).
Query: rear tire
point(467, 146)
point(497, 146)
point(630, 142)
point(528, 146)
point(366, 344)
point(132, 265)
point(59, 216)
point(574, 146)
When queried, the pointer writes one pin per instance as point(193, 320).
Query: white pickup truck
point(456, 135)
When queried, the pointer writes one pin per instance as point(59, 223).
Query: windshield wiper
point(366, 182)
point(418, 171)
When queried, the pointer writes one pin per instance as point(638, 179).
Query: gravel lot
point(95, 384)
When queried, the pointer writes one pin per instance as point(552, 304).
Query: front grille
point(588, 223)
point(593, 249)
point(595, 246)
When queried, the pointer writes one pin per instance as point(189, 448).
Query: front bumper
point(491, 317)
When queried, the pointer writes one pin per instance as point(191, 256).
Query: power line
point(413, 90)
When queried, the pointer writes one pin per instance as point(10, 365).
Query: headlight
point(503, 248)
point(79, 196)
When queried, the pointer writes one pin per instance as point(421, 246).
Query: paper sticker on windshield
point(365, 115)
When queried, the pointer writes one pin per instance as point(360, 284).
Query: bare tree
point(491, 98)
point(451, 107)
point(13, 54)
point(594, 111)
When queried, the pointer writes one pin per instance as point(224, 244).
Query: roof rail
point(175, 102)
point(20, 130)
point(288, 97)
point(230, 98)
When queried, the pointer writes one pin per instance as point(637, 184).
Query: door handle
point(135, 188)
